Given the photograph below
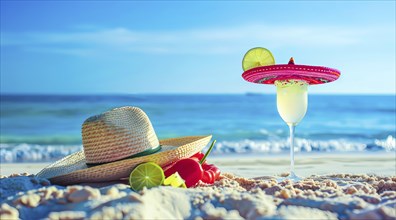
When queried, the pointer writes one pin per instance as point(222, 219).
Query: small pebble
point(284, 194)
point(49, 192)
point(83, 194)
point(113, 192)
point(30, 200)
point(351, 190)
point(73, 188)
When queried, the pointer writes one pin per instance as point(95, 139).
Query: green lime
point(257, 56)
point(146, 175)
point(175, 180)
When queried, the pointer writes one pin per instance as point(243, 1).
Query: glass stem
point(291, 128)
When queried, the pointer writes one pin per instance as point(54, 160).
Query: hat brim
point(73, 168)
point(311, 74)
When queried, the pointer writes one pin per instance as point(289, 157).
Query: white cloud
point(195, 41)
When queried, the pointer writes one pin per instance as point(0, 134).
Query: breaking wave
point(46, 153)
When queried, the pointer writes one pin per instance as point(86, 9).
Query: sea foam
point(47, 153)
point(304, 145)
point(34, 152)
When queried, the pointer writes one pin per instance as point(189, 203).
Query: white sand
point(267, 165)
point(232, 197)
point(342, 196)
point(310, 163)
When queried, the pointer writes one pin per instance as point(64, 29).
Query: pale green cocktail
point(292, 103)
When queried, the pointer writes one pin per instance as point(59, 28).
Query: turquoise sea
point(36, 128)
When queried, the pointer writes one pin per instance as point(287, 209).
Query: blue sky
point(103, 47)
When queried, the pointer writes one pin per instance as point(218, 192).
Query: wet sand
point(268, 165)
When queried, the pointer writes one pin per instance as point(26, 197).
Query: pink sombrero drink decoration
point(291, 81)
point(311, 74)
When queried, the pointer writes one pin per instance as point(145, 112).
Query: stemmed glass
point(291, 81)
point(292, 102)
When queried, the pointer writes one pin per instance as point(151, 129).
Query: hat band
point(140, 154)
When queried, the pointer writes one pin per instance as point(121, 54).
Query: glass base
point(292, 176)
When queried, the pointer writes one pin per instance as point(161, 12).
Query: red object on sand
point(189, 169)
point(194, 169)
point(311, 74)
point(210, 172)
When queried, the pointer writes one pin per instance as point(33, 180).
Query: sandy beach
point(197, 110)
point(249, 166)
point(335, 186)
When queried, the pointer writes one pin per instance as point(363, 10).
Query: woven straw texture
point(117, 134)
point(113, 136)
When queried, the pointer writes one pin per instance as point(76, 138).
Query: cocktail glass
point(292, 102)
point(291, 82)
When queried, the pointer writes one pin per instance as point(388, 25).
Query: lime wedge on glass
point(257, 56)
point(146, 175)
point(175, 180)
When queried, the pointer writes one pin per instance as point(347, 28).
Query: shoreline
point(249, 166)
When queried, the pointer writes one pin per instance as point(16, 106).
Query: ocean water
point(37, 128)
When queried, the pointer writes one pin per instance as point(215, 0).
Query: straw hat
point(114, 143)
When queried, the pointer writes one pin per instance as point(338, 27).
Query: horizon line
point(187, 93)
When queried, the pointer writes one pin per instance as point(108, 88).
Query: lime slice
point(175, 180)
point(146, 175)
point(257, 56)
